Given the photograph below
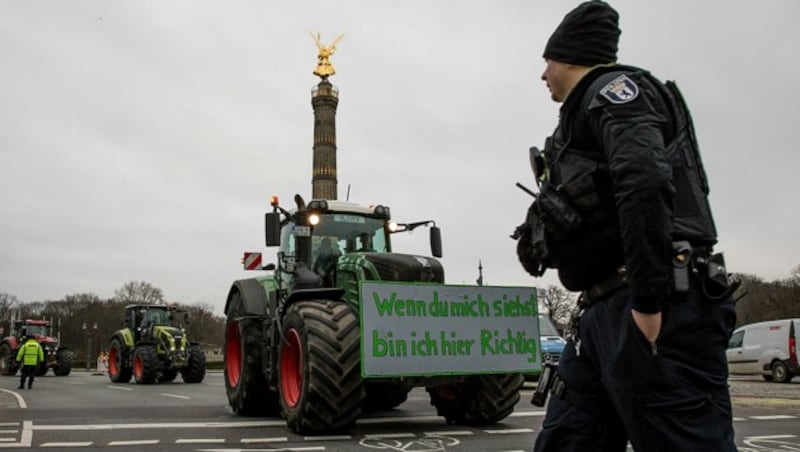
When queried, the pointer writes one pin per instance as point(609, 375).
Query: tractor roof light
point(313, 219)
point(383, 211)
point(318, 204)
point(392, 226)
point(274, 201)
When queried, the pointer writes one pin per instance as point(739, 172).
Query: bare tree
point(203, 326)
point(558, 304)
point(139, 292)
point(7, 303)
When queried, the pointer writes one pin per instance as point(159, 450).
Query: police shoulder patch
point(621, 90)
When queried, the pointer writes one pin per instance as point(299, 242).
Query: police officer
point(622, 214)
point(30, 354)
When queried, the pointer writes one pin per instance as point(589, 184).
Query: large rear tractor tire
point(7, 358)
point(145, 365)
point(478, 400)
point(64, 360)
point(320, 375)
point(195, 370)
point(118, 372)
point(245, 383)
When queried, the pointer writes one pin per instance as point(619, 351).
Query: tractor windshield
point(351, 233)
point(157, 317)
point(35, 330)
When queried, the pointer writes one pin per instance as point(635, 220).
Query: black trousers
point(618, 390)
point(29, 372)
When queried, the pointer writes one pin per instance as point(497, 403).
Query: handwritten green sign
point(435, 329)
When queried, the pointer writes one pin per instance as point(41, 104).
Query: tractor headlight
point(313, 219)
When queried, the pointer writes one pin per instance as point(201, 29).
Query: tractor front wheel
point(478, 400)
point(320, 375)
point(145, 364)
point(64, 360)
point(117, 371)
point(245, 383)
point(195, 370)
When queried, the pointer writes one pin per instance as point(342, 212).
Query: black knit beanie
point(587, 36)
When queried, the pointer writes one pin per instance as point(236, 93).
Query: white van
point(765, 348)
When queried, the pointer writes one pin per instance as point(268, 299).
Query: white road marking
point(390, 435)
point(27, 434)
point(199, 440)
point(72, 444)
point(277, 439)
point(137, 442)
point(177, 396)
point(20, 400)
point(120, 388)
point(509, 431)
point(7, 440)
point(770, 437)
point(773, 417)
point(450, 433)
point(160, 425)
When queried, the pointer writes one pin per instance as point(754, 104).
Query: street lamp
point(89, 331)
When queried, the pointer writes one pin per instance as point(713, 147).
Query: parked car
point(765, 348)
point(552, 344)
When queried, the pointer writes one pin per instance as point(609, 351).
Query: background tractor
point(292, 340)
point(152, 348)
point(57, 357)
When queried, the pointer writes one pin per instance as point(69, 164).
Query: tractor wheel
point(42, 369)
point(245, 383)
point(64, 360)
point(320, 374)
point(117, 371)
point(7, 360)
point(478, 400)
point(380, 396)
point(195, 370)
point(167, 376)
point(145, 365)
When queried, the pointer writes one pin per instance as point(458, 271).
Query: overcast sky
point(141, 140)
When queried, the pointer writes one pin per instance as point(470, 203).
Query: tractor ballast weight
point(56, 356)
point(152, 348)
point(292, 337)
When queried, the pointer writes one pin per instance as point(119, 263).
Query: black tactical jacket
point(615, 126)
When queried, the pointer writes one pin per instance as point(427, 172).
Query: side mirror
point(272, 228)
point(436, 241)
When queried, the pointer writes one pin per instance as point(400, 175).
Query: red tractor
point(56, 357)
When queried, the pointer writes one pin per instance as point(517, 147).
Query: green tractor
point(292, 337)
point(152, 348)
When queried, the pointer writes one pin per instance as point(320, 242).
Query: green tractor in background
point(292, 338)
point(152, 348)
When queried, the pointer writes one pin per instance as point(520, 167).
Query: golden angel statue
point(324, 67)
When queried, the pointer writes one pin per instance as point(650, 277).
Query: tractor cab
point(142, 318)
point(33, 328)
